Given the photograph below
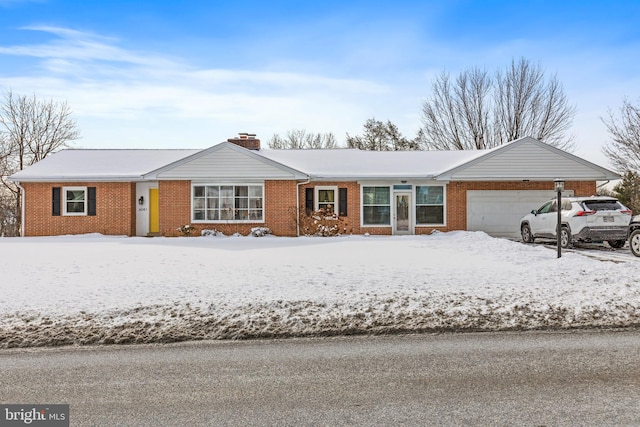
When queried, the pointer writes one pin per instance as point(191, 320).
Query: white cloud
point(102, 81)
point(81, 46)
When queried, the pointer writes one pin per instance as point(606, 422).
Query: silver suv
point(584, 219)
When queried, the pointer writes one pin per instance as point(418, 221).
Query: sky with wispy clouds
point(190, 74)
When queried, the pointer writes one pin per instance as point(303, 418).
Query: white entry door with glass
point(402, 213)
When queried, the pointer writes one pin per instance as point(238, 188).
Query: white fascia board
point(76, 178)
point(394, 177)
point(517, 178)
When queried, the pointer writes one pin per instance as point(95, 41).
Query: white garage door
point(498, 213)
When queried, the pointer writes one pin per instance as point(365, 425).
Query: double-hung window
point(326, 199)
point(376, 206)
point(429, 204)
point(74, 201)
point(211, 203)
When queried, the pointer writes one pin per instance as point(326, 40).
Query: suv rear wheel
point(525, 231)
point(616, 244)
point(634, 242)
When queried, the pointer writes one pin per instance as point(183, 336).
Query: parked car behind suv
point(634, 235)
point(584, 219)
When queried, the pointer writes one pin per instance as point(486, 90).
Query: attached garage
point(498, 212)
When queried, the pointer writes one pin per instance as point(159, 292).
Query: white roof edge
point(517, 178)
point(369, 177)
point(80, 179)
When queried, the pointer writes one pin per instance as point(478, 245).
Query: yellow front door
point(154, 217)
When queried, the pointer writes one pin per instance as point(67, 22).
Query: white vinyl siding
point(226, 163)
point(527, 161)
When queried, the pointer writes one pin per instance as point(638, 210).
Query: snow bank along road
point(103, 290)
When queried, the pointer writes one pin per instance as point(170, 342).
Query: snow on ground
point(96, 289)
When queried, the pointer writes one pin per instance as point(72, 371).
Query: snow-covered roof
point(353, 163)
point(99, 165)
point(525, 158)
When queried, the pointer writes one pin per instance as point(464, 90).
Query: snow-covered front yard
point(95, 289)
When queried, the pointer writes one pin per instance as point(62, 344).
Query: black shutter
point(55, 201)
point(91, 200)
point(308, 200)
point(342, 201)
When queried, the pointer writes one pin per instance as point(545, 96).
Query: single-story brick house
point(235, 186)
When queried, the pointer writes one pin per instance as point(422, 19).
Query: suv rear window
point(602, 205)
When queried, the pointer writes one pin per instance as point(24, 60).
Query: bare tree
point(478, 112)
point(30, 130)
point(628, 190)
point(624, 149)
point(301, 139)
point(380, 136)
point(457, 115)
point(529, 105)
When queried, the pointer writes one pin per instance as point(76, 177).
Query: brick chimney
point(246, 140)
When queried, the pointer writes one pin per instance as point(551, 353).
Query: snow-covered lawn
point(95, 289)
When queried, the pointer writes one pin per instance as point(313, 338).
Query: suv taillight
point(627, 212)
point(584, 213)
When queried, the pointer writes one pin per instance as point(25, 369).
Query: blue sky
point(181, 74)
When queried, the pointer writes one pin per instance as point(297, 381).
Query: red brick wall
point(116, 207)
point(456, 209)
point(115, 210)
point(280, 211)
point(175, 210)
point(174, 200)
point(352, 219)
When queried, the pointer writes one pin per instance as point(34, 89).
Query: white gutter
point(298, 205)
point(22, 210)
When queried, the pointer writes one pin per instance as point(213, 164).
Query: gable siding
point(225, 164)
point(528, 161)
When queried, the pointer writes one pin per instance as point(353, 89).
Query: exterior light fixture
point(558, 185)
point(141, 200)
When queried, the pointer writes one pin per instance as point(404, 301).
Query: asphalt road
point(579, 378)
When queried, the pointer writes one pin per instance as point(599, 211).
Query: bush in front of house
point(260, 231)
point(187, 230)
point(211, 233)
point(323, 223)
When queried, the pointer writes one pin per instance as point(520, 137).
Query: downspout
point(22, 196)
point(298, 204)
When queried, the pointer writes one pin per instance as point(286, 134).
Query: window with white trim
point(376, 206)
point(223, 203)
point(429, 204)
point(74, 201)
point(326, 199)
